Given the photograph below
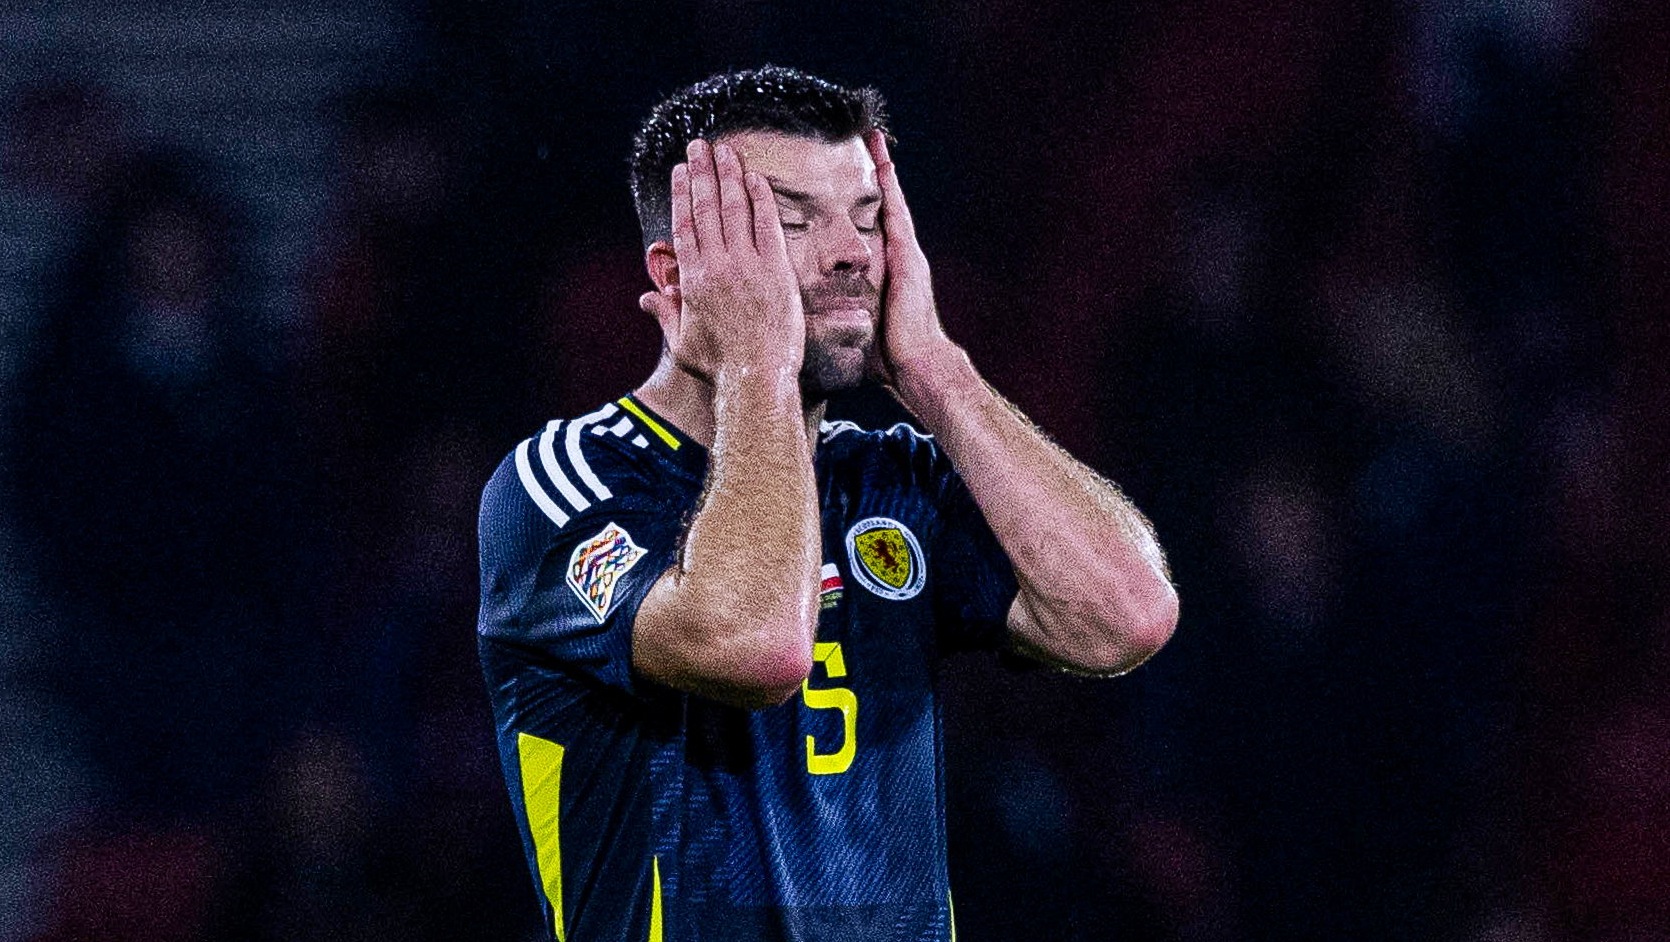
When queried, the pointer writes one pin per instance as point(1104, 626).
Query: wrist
point(753, 380)
point(927, 382)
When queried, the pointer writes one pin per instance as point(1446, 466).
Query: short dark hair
point(770, 98)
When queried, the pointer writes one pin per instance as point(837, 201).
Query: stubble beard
point(835, 363)
point(837, 359)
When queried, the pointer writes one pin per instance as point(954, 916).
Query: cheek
point(804, 261)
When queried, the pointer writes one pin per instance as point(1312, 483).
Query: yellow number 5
point(828, 653)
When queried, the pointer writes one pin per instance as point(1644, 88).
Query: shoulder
point(568, 470)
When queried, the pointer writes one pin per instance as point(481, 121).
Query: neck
point(686, 400)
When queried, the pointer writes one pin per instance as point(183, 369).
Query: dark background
point(1363, 304)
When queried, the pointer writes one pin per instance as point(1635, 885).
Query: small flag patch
point(829, 591)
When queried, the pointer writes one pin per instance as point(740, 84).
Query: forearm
point(748, 574)
point(1095, 593)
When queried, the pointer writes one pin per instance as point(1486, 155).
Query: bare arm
point(734, 620)
point(1095, 595)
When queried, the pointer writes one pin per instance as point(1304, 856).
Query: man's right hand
point(736, 306)
point(734, 620)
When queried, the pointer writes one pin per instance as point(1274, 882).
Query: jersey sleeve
point(567, 558)
point(975, 582)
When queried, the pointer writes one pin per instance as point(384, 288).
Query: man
point(710, 621)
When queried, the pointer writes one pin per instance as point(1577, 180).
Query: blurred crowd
point(1362, 306)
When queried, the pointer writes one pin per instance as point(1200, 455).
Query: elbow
point(767, 663)
point(746, 652)
point(756, 668)
point(768, 674)
point(1133, 632)
point(1154, 625)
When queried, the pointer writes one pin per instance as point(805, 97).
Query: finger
point(733, 199)
point(768, 225)
point(685, 244)
point(704, 196)
point(895, 213)
point(876, 141)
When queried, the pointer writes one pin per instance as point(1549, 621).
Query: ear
point(662, 263)
point(664, 304)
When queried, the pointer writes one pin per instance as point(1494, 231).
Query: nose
point(844, 250)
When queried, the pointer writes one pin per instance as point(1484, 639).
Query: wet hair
point(770, 98)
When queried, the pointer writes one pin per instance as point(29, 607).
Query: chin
point(833, 370)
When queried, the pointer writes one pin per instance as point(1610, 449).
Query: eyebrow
point(795, 196)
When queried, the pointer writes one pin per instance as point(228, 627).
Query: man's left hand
point(912, 338)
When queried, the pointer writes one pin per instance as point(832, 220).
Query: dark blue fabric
point(751, 845)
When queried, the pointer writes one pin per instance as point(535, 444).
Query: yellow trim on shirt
point(654, 426)
point(541, 787)
point(655, 920)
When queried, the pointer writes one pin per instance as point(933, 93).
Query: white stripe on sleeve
point(553, 470)
point(578, 460)
point(524, 470)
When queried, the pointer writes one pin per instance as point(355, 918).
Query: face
point(830, 206)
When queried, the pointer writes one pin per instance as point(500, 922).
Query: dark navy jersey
point(651, 814)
